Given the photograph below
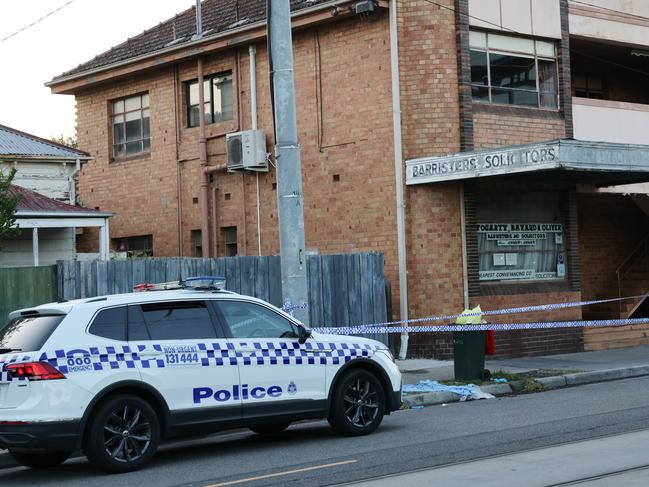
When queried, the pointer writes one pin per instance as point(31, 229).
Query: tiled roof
point(218, 16)
point(16, 143)
point(33, 202)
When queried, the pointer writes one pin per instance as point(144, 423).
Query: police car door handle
point(150, 353)
point(246, 351)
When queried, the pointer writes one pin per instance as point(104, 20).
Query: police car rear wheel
point(123, 434)
point(358, 404)
point(270, 429)
point(40, 460)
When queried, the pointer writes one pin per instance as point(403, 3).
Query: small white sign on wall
point(499, 259)
point(511, 259)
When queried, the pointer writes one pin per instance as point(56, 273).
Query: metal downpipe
point(202, 148)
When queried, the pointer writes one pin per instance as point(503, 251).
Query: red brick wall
point(518, 342)
point(610, 227)
point(345, 130)
point(430, 117)
point(534, 342)
point(355, 145)
point(133, 190)
point(503, 126)
point(429, 79)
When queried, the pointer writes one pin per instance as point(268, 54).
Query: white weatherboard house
point(46, 214)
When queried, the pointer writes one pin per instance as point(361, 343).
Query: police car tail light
point(34, 371)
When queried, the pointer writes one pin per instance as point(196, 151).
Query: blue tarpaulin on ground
point(466, 392)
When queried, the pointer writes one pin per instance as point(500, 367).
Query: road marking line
point(281, 474)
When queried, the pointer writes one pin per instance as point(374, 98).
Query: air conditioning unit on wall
point(247, 151)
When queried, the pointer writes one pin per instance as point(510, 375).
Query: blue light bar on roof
point(205, 282)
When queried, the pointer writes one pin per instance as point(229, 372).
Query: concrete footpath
point(541, 373)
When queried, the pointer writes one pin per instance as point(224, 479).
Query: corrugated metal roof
point(218, 16)
point(16, 143)
point(35, 203)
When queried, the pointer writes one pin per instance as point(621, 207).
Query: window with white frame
point(218, 102)
point(131, 128)
point(509, 70)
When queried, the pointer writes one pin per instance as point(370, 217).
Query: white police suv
point(116, 375)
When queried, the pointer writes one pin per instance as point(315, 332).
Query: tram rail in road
point(617, 460)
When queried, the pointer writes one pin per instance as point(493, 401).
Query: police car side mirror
point(303, 334)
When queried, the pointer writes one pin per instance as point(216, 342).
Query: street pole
point(290, 201)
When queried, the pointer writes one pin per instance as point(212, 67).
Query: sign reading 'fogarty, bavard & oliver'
point(481, 164)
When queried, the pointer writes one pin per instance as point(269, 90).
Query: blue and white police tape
point(504, 311)
point(360, 330)
point(290, 307)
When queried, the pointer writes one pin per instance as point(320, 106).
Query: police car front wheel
point(358, 404)
point(40, 460)
point(123, 434)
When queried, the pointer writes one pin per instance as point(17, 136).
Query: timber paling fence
point(21, 287)
point(344, 289)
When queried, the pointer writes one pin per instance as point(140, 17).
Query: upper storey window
point(510, 70)
point(218, 105)
point(131, 129)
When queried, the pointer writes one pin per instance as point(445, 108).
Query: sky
point(62, 41)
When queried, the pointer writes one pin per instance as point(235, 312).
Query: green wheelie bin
point(468, 354)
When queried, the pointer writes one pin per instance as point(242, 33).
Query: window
point(29, 333)
point(197, 242)
point(110, 323)
point(230, 239)
point(513, 71)
point(249, 320)
point(136, 327)
point(131, 129)
point(589, 87)
point(141, 246)
point(520, 237)
point(218, 105)
point(182, 320)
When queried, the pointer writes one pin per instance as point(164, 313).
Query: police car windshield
point(28, 333)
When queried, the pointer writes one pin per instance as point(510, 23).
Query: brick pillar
point(464, 74)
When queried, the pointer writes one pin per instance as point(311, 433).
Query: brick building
point(479, 102)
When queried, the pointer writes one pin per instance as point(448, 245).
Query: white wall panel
point(516, 15)
point(530, 17)
point(53, 244)
point(546, 18)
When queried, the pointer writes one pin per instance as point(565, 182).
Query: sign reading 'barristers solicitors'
point(482, 164)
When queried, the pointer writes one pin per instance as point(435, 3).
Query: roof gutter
point(194, 43)
point(27, 158)
point(62, 214)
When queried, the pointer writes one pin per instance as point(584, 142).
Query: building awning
point(35, 211)
point(595, 163)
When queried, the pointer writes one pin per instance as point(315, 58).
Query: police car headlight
point(387, 353)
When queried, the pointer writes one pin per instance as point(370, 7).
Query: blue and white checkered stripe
point(97, 358)
point(212, 354)
point(381, 327)
point(359, 330)
point(291, 353)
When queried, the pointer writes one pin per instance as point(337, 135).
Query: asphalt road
point(309, 454)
